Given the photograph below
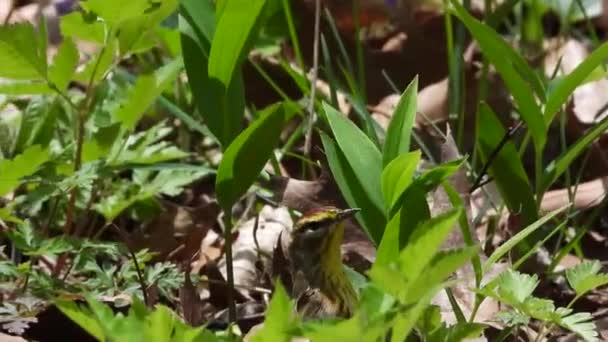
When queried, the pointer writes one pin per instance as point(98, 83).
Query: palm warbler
point(316, 257)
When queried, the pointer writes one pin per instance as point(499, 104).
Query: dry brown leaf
point(588, 99)
point(249, 248)
point(586, 195)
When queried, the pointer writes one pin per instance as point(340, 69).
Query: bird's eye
point(312, 226)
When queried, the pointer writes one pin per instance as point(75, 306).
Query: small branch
point(140, 275)
point(494, 154)
point(315, 73)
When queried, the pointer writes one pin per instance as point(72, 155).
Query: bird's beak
point(346, 213)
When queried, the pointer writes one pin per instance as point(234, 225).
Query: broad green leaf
point(506, 168)
point(116, 12)
point(146, 147)
point(565, 86)
point(561, 164)
point(83, 317)
point(246, 156)
point(98, 65)
point(20, 55)
point(38, 123)
point(160, 323)
point(145, 92)
point(517, 238)
point(443, 265)
point(582, 324)
point(37, 87)
point(406, 321)
point(221, 108)
point(64, 65)
point(362, 155)
point(137, 35)
point(278, 317)
point(399, 130)
point(508, 65)
point(397, 176)
point(586, 276)
point(427, 182)
point(168, 182)
point(234, 31)
point(414, 211)
point(25, 164)
point(74, 25)
point(6, 214)
point(52, 246)
point(371, 217)
point(424, 243)
point(514, 288)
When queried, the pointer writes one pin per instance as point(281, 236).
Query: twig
point(315, 70)
point(494, 154)
point(140, 275)
point(238, 286)
point(10, 13)
point(229, 264)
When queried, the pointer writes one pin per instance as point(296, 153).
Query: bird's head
point(316, 239)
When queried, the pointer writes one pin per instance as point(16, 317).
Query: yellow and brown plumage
point(316, 258)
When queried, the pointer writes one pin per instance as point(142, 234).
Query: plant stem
point(315, 70)
point(229, 263)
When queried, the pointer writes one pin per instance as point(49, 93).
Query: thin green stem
point(229, 264)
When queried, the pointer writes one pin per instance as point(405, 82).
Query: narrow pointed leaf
point(399, 130)
point(246, 156)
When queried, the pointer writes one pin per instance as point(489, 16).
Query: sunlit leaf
point(244, 159)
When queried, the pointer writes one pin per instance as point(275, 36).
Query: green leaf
point(64, 65)
point(221, 108)
point(20, 56)
point(145, 92)
point(371, 217)
point(115, 12)
point(83, 317)
point(427, 182)
point(565, 86)
point(168, 182)
point(509, 65)
point(517, 238)
point(97, 66)
point(160, 323)
point(6, 214)
point(25, 164)
point(246, 156)
point(514, 288)
point(397, 176)
point(362, 155)
point(399, 130)
point(25, 88)
point(136, 35)
point(506, 167)
point(74, 25)
point(38, 123)
point(53, 246)
point(278, 318)
point(414, 211)
point(443, 265)
point(144, 147)
point(585, 277)
point(582, 324)
point(561, 164)
point(235, 30)
point(425, 242)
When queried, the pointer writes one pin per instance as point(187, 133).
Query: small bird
point(314, 251)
